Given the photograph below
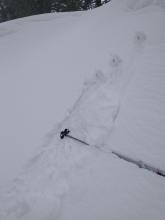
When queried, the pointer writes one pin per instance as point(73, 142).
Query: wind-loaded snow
point(118, 51)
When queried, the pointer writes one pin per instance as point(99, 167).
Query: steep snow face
point(119, 56)
point(38, 54)
point(43, 65)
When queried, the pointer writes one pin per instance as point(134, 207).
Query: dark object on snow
point(76, 139)
point(64, 133)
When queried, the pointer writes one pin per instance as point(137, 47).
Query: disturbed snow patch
point(139, 39)
point(93, 115)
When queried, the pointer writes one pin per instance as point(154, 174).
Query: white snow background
point(100, 73)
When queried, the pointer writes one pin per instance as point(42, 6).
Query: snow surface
point(100, 73)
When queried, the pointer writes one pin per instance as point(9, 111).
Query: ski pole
point(76, 139)
point(65, 133)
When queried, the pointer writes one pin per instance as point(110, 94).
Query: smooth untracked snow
point(101, 74)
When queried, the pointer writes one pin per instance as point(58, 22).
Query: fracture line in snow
point(137, 162)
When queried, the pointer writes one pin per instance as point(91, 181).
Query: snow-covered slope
point(101, 74)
